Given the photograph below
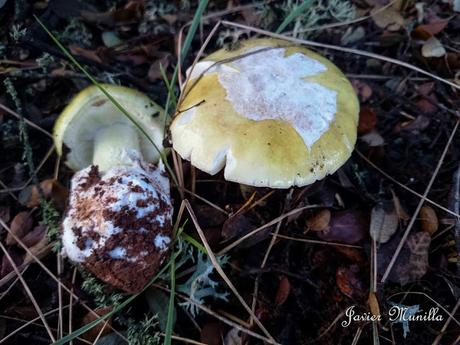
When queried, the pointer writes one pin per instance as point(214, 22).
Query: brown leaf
point(367, 120)
point(53, 190)
point(20, 225)
point(349, 227)
point(34, 236)
point(241, 224)
point(425, 31)
point(87, 53)
point(425, 89)
point(384, 222)
point(373, 139)
point(426, 106)
point(212, 333)
point(373, 304)
point(154, 70)
point(428, 220)
point(320, 221)
point(349, 281)
point(284, 288)
point(92, 334)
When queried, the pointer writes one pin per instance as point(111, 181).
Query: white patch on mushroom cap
point(267, 85)
point(115, 197)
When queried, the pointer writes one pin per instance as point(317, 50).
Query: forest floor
point(385, 231)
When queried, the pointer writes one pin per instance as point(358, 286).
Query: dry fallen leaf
point(433, 48)
point(367, 120)
point(384, 222)
point(20, 226)
point(319, 221)
point(373, 304)
point(349, 281)
point(425, 31)
point(428, 220)
point(284, 288)
point(51, 189)
point(388, 19)
point(348, 226)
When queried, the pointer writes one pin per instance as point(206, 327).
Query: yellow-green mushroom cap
point(97, 132)
point(271, 113)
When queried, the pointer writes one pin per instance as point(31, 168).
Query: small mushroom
point(119, 219)
point(272, 113)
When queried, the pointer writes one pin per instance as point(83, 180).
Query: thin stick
point(419, 206)
point(219, 270)
point(306, 240)
point(30, 123)
point(346, 50)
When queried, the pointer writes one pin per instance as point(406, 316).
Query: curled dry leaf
point(428, 220)
point(7, 267)
point(348, 227)
point(20, 226)
point(212, 333)
point(319, 222)
point(284, 288)
point(384, 222)
point(433, 48)
point(5, 214)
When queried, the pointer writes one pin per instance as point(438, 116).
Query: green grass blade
point(170, 319)
point(297, 11)
point(113, 100)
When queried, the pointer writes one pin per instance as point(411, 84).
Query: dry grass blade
point(346, 50)
point(306, 240)
point(30, 123)
point(405, 187)
point(273, 222)
point(29, 293)
point(419, 206)
point(222, 273)
point(47, 271)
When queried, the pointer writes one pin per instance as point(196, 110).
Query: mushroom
point(119, 218)
point(272, 113)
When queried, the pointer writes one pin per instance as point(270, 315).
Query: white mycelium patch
point(136, 189)
point(267, 85)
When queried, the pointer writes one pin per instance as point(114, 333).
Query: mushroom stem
point(112, 145)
